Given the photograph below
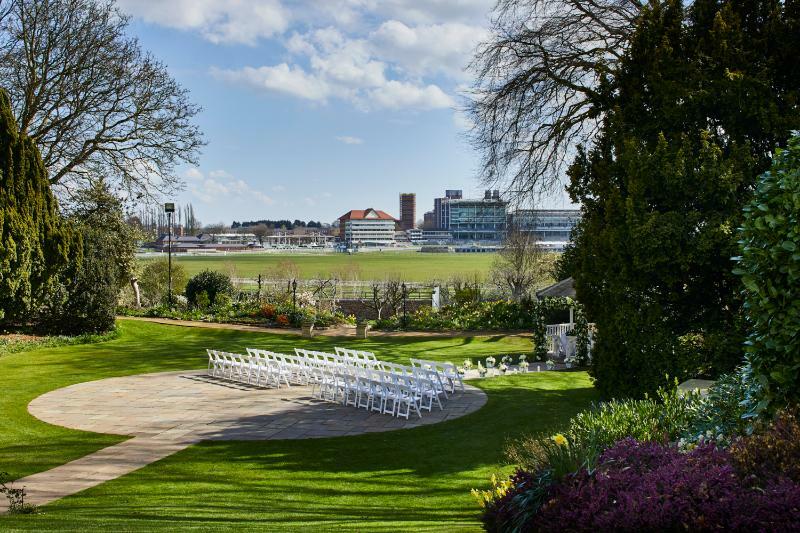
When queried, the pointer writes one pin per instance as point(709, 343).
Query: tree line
point(277, 224)
point(659, 116)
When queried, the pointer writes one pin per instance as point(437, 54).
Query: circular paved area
point(191, 406)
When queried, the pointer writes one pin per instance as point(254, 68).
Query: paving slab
point(169, 411)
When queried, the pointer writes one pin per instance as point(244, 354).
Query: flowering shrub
point(722, 414)
point(651, 486)
point(268, 311)
point(282, 320)
point(775, 452)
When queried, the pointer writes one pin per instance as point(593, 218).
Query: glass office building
point(478, 220)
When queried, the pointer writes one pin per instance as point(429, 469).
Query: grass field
point(407, 266)
point(415, 479)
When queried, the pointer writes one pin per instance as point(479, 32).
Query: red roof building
point(367, 227)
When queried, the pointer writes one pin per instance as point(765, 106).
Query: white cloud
point(347, 139)
point(221, 185)
point(282, 78)
point(278, 188)
point(438, 48)
point(397, 95)
point(435, 11)
point(219, 21)
point(339, 67)
point(394, 54)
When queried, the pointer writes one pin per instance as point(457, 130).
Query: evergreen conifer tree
point(704, 95)
point(35, 242)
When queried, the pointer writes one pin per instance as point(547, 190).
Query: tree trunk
point(135, 285)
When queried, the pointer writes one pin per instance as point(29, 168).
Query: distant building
point(441, 208)
point(428, 221)
point(408, 210)
point(228, 242)
point(478, 220)
point(414, 235)
point(437, 236)
point(368, 227)
point(551, 227)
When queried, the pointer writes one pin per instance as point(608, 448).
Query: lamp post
point(294, 294)
point(169, 208)
point(405, 294)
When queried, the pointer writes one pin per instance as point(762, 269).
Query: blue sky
point(313, 108)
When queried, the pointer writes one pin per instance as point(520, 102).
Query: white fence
point(554, 331)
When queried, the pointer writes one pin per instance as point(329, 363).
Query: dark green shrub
point(210, 282)
point(154, 281)
point(772, 452)
point(770, 271)
point(85, 300)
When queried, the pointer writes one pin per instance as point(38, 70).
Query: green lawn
point(407, 266)
point(413, 479)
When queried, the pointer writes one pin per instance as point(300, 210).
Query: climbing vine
point(541, 309)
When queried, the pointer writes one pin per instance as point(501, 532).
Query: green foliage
point(9, 346)
point(210, 283)
point(154, 280)
point(769, 267)
point(201, 300)
point(15, 495)
point(705, 92)
point(86, 300)
point(35, 243)
point(772, 451)
point(724, 412)
point(661, 419)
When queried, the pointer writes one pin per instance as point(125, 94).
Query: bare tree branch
point(522, 264)
point(536, 96)
point(96, 104)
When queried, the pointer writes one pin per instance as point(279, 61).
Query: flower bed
point(655, 464)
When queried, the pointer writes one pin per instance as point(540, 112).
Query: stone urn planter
point(362, 329)
point(307, 329)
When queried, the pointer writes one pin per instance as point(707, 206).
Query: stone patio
point(169, 411)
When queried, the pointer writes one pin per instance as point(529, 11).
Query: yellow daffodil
point(560, 439)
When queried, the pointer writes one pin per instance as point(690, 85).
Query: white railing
point(553, 331)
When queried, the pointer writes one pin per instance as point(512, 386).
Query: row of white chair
point(250, 369)
point(447, 371)
point(376, 390)
point(350, 377)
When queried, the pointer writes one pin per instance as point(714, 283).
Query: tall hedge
point(35, 243)
point(770, 271)
point(702, 96)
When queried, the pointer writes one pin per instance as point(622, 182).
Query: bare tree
point(260, 231)
point(387, 296)
point(94, 102)
point(536, 96)
point(522, 264)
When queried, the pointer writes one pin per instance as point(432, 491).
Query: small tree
point(211, 283)
point(521, 265)
point(387, 296)
point(260, 232)
point(154, 280)
point(770, 271)
point(87, 301)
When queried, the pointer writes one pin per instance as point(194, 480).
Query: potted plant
point(550, 364)
point(307, 327)
point(490, 361)
point(362, 327)
point(481, 370)
point(523, 363)
point(467, 364)
point(503, 368)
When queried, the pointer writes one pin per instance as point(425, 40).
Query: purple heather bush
point(651, 486)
